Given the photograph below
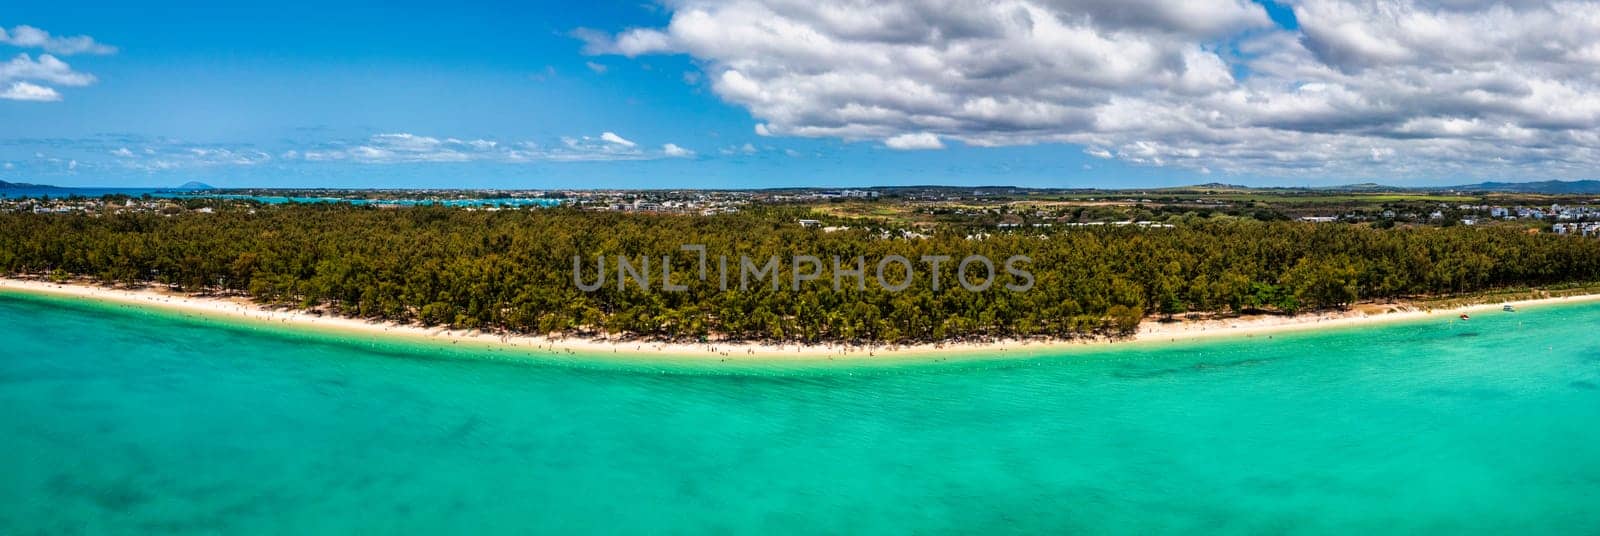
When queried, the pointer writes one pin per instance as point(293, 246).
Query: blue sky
point(552, 95)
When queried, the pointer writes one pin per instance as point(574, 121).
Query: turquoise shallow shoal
point(124, 421)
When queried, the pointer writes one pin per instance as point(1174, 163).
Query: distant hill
point(195, 185)
point(1218, 186)
point(1368, 187)
point(21, 185)
point(1541, 187)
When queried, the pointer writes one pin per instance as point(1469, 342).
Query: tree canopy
point(512, 270)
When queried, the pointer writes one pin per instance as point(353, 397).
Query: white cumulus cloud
point(29, 79)
point(612, 137)
point(913, 142)
point(22, 71)
point(1444, 88)
point(673, 150)
point(31, 37)
point(24, 91)
point(408, 148)
point(45, 69)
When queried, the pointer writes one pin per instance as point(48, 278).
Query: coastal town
point(910, 210)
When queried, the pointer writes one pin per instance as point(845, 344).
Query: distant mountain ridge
point(1540, 187)
point(195, 185)
point(19, 185)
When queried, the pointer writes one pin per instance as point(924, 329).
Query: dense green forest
point(513, 270)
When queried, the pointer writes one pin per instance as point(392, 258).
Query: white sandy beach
point(1150, 330)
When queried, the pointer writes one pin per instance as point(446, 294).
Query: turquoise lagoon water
point(118, 421)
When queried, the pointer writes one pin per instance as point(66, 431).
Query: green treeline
point(513, 270)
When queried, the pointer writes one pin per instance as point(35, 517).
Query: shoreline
point(1150, 331)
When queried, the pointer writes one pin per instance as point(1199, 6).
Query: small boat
point(1465, 317)
point(1509, 309)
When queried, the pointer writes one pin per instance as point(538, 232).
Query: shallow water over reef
point(123, 421)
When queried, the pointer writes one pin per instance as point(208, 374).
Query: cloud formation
point(399, 148)
point(24, 91)
point(913, 142)
point(673, 150)
point(30, 37)
point(114, 152)
point(47, 69)
point(154, 158)
point(1362, 88)
point(612, 137)
point(25, 77)
point(118, 153)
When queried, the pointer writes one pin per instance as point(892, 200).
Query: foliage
point(512, 269)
